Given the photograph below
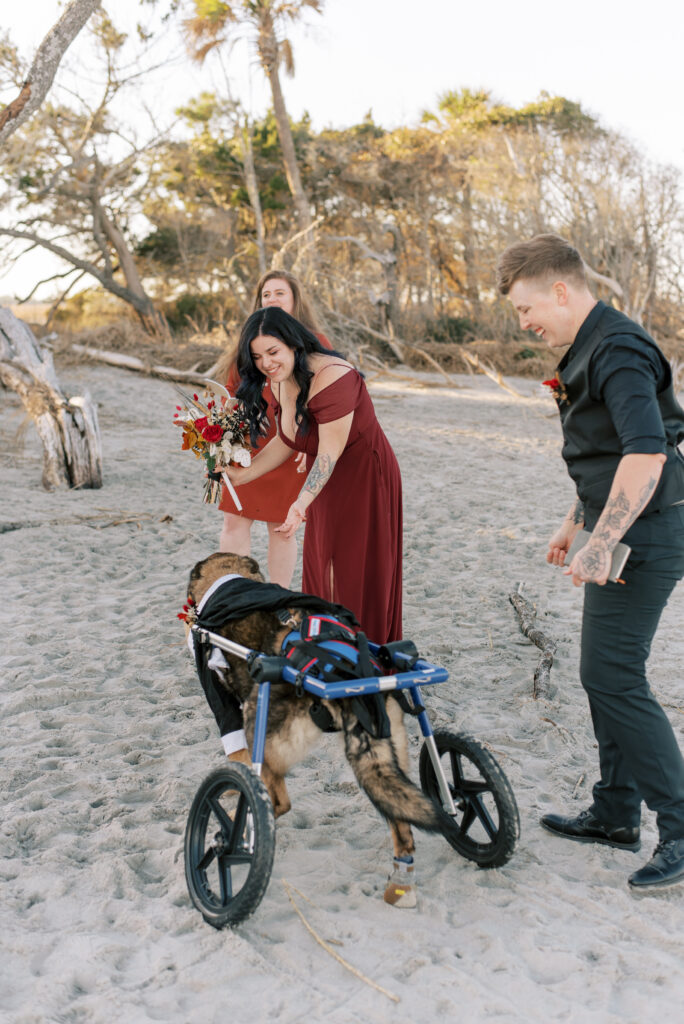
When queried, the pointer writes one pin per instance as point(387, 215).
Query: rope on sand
point(527, 614)
point(289, 889)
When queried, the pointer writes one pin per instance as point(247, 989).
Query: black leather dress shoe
point(585, 828)
point(666, 866)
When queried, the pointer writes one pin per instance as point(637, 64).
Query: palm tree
point(213, 24)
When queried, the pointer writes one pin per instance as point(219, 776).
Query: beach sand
point(106, 737)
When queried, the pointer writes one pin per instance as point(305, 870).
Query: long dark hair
point(275, 323)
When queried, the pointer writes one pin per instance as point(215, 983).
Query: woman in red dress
point(268, 499)
point(351, 498)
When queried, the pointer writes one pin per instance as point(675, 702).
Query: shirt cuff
point(233, 741)
point(644, 446)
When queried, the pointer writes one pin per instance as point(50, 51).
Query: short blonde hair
point(543, 256)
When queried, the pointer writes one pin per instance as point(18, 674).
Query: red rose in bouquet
point(212, 433)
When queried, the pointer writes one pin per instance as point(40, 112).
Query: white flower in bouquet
point(241, 456)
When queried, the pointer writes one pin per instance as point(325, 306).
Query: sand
point(106, 737)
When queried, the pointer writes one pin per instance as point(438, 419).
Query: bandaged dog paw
point(400, 890)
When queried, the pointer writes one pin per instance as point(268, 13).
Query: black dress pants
point(639, 755)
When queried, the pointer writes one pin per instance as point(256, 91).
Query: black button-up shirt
point(626, 374)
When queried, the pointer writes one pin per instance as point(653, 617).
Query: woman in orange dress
point(268, 499)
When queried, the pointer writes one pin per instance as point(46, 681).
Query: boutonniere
point(557, 389)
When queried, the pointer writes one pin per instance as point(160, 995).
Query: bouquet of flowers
point(214, 430)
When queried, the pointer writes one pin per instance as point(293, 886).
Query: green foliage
point(161, 245)
point(191, 307)
point(450, 329)
point(214, 11)
point(476, 111)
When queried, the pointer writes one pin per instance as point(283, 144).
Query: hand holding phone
point(619, 557)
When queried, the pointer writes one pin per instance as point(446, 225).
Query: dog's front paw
point(400, 890)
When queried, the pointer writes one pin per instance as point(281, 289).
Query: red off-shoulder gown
point(353, 534)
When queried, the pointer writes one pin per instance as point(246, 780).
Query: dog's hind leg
point(402, 839)
point(399, 737)
point(400, 890)
point(402, 835)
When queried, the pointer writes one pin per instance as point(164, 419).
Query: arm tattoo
point(594, 561)
point(577, 513)
point(319, 474)
point(619, 514)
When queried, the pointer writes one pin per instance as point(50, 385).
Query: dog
point(379, 765)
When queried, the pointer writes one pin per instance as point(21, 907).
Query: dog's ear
point(195, 576)
point(253, 566)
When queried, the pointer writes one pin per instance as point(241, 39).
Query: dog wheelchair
point(230, 832)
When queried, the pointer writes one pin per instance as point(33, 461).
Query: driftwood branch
point(614, 287)
point(528, 615)
point(125, 362)
point(277, 259)
point(398, 345)
point(381, 369)
point(473, 361)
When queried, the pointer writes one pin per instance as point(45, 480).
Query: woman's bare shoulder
point(326, 370)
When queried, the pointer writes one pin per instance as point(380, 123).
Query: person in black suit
point(621, 427)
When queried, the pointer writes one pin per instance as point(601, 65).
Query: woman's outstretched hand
point(295, 518)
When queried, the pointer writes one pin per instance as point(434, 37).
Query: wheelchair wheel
point(229, 845)
point(487, 824)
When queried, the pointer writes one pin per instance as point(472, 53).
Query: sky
point(622, 62)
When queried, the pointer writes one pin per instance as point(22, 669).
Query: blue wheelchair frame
point(423, 673)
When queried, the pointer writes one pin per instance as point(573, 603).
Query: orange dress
point(267, 499)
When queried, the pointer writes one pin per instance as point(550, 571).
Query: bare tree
point(67, 194)
point(44, 67)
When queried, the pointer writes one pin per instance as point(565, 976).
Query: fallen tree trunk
point(138, 366)
point(68, 427)
point(527, 614)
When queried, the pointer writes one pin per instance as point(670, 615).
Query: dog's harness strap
point(337, 654)
point(406, 705)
